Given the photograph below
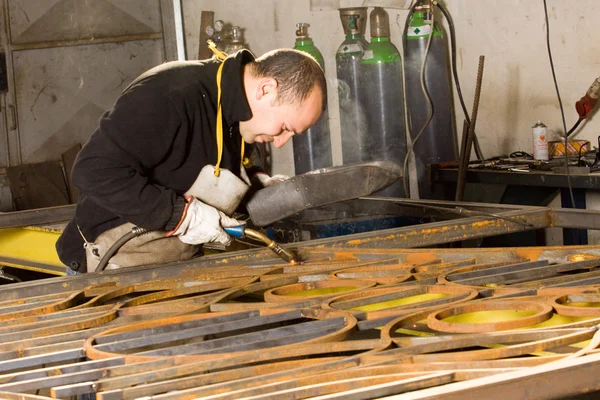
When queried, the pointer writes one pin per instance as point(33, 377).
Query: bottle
point(312, 150)
point(347, 61)
point(540, 141)
point(383, 100)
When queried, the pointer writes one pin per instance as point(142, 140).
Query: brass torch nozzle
point(286, 255)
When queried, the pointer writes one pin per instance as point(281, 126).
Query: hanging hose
point(446, 14)
point(444, 11)
point(427, 97)
point(135, 232)
point(574, 127)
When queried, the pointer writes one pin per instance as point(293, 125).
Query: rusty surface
point(207, 327)
point(540, 312)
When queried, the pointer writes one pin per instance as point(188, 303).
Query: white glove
point(266, 180)
point(201, 223)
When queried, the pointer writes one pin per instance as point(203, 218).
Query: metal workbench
point(528, 188)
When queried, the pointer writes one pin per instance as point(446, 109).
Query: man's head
point(287, 92)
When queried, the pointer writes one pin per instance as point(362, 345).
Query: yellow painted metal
point(557, 320)
point(400, 302)
point(486, 317)
point(31, 248)
point(322, 291)
point(594, 304)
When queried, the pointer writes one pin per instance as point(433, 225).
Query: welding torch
point(241, 231)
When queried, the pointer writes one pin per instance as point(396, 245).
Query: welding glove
point(201, 223)
point(265, 180)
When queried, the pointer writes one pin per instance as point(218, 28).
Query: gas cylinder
point(312, 149)
point(438, 142)
point(347, 60)
point(235, 42)
point(383, 99)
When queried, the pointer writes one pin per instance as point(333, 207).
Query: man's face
point(276, 122)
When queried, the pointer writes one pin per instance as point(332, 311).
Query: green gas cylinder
point(347, 61)
point(312, 149)
point(383, 99)
point(437, 142)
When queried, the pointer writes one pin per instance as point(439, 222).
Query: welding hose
point(135, 232)
point(236, 232)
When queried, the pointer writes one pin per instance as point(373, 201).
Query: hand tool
point(241, 231)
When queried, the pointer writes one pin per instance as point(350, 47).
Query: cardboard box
point(556, 148)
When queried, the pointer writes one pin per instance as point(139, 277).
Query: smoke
point(312, 149)
point(353, 124)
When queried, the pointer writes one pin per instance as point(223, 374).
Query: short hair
point(296, 73)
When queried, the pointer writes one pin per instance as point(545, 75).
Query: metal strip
point(234, 377)
point(154, 330)
point(48, 377)
point(38, 360)
point(578, 376)
point(255, 340)
point(84, 42)
point(143, 341)
point(36, 217)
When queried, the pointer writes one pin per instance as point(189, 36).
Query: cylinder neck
point(354, 36)
point(419, 16)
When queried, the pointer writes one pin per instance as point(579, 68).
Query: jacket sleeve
point(115, 167)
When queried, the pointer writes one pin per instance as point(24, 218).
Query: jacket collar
point(234, 103)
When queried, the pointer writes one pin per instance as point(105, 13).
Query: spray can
point(540, 141)
point(312, 150)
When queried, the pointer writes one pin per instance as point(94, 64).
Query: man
point(160, 160)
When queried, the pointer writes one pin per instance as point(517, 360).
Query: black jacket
point(150, 147)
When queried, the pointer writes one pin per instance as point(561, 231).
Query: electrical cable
point(455, 76)
point(426, 93)
point(574, 127)
point(520, 154)
point(562, 112)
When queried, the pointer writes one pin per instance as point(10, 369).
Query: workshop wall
point(517, 88)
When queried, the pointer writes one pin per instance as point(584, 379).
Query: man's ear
point(267, 87)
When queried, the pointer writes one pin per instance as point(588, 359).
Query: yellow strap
point(221, 55)
point(219, 134)
point(219, 122)
point(245, 160)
